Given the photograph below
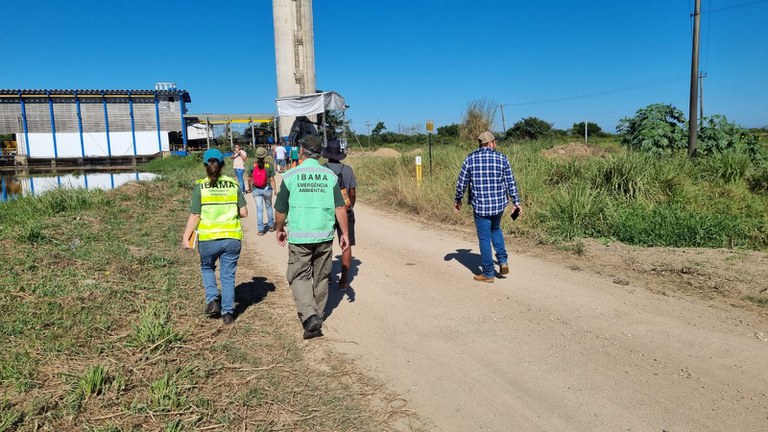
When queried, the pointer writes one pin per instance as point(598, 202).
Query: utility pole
point(586, 139)
point(368, 125)
point(692, 124)
point(702, 75)
point(503, 124)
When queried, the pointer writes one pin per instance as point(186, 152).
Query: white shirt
point(279, 152)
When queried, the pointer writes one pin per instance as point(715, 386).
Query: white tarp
point(303, 105)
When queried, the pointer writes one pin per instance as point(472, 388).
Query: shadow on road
point(466, 258)
point(335, 295)
point(250, 293)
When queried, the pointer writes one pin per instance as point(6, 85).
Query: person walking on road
point(491, 183)
point(348, 184)
point(263, 187)
point(279, 155)
point(311, 200)
point(238, 163)
point(217, 206)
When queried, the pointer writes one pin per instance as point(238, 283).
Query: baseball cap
point(213, 153)
point(486, 137)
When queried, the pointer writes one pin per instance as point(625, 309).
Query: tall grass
point(714, 202)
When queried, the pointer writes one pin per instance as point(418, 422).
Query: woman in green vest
point(217, 206)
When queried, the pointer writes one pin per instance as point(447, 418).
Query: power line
point(738, 6)
point(602, 93)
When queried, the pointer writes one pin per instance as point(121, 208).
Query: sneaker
point(261, 233)
point(213, 308)
point(228, 318)
point(272, 228)
point(483, 278)
point(504, 269)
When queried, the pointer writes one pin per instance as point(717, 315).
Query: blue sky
point(407, 61)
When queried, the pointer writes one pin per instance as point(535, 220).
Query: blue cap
point(213, 153)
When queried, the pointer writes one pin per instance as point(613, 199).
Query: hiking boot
point(228, 318)
point(313, 324)
point(213, 308)
point(309, 335)
point(483, 278)
point(504, 269)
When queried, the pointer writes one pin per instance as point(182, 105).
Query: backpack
point(340, 176)
point(260, 175)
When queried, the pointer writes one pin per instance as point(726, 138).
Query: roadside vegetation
point(639, 188)
point(102, 327)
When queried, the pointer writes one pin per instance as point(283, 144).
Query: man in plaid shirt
point(491, 183)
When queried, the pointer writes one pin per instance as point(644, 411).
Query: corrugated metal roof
point(90, 92)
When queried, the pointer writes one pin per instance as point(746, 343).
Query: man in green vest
point(311, 199)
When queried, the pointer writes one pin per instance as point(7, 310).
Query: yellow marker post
point(418, 170)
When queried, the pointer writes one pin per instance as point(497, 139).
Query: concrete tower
point(294, 51)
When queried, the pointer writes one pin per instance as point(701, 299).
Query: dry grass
point(106, 334)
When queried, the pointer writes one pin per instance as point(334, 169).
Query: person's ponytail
point(213, 169)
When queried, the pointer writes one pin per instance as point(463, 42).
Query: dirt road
point(546, 349)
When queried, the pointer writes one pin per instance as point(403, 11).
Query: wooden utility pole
point(503, 123)
point(693, 124)
point(702, 75)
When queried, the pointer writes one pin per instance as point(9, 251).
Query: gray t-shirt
point(348, 180)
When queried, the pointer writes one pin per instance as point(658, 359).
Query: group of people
point(315, 203)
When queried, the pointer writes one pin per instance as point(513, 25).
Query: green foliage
point(593, 130)
point(9, 417)
point(154, 329)
point(730, 166)
point(451, 130)
point(530, 128)
point(657, 129)
point(577, 211)
point(757, 181)
point(164, 394)
point(477, 119)
point(379, 128)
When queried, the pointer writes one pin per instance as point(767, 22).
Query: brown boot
point(504, 269)
point(483, 278)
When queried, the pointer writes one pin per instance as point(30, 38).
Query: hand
point(457, 206)
point(344, 242)
point(185, 243)
point(281, 236)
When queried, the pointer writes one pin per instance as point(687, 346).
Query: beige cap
point(486, 137)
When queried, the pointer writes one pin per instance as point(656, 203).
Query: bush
point(477, 119)
point(530, 128)
point(656, 129)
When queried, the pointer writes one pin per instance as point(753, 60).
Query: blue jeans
point(227, 252)
point(489, 232)
point(239, 174)
point(263, 196)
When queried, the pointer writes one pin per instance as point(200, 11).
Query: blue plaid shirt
point(490, 180)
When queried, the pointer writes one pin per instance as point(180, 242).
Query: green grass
point(716, 202)
point(102, 326)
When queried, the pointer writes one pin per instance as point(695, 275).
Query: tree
point(530, 128)
point(378, 128)
point(656, 129)
point(451, 130)
point(592, 129)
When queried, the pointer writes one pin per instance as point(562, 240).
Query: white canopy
point(302, 105)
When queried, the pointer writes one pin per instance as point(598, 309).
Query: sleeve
point(350, 178)
point(241, 199)
point(509, 178)
point(338, 198)
point(281, 202)
point(196, 205)
point(461, 184)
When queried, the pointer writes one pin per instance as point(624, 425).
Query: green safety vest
point(219, 214)
point(311, 203)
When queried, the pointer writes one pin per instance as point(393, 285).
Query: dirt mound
point(572, 150)
point(386, 152)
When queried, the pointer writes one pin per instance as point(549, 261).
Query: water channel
point(14, 184)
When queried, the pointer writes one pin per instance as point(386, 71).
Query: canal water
point(13, 184)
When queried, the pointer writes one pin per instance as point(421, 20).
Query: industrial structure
point(54, 125)
point(294, 52)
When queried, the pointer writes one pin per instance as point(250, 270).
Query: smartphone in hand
point(515, 213)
